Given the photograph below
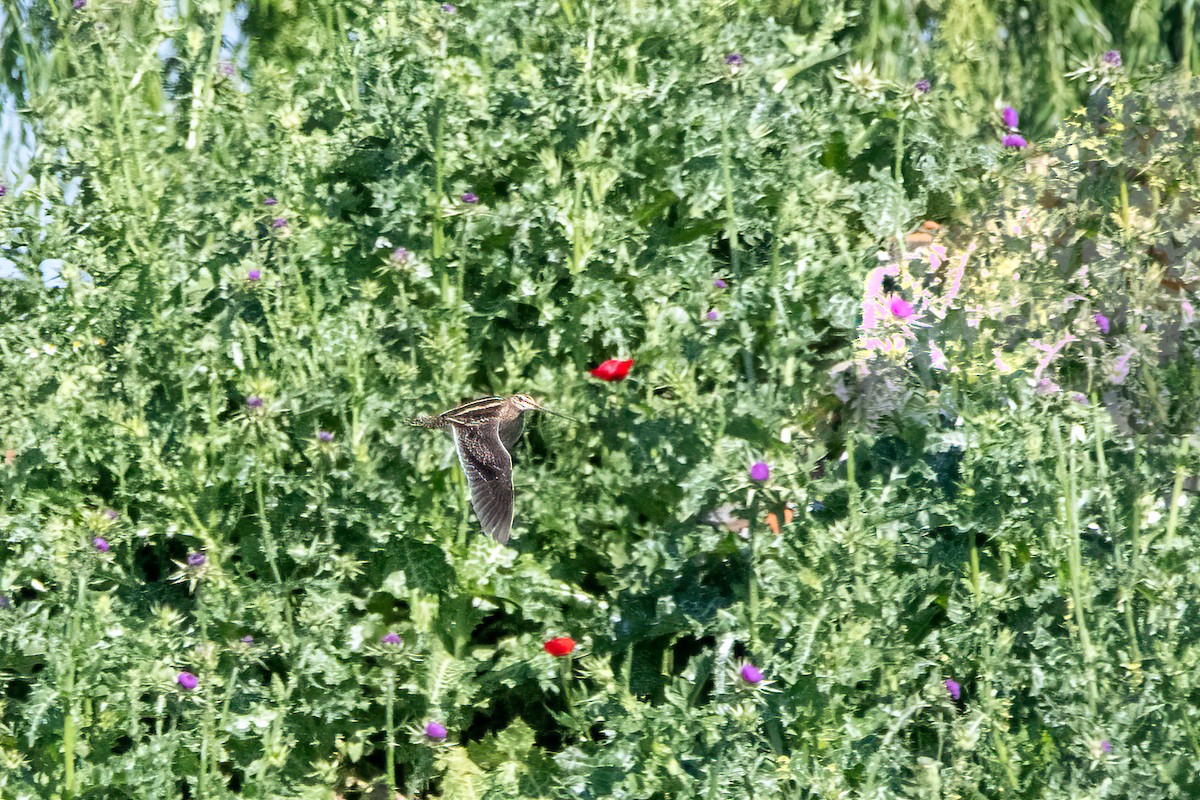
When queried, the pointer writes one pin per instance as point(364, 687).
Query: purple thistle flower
point(449, 8)
point(270, 201)
point(100, 544)
point(922, 86)
point(1081, 398)
point(391, 638)
point(435, 731)
point(1014, 140)
point(400, 255)
point(759, 471)
point(720, 284)
point(3, 190)
point(325, 436)
point(247, 639)
point(734, 59)
point(751, 674)
point(1106, 745)
point(713, 315)
point(78, 4)
point(470, 198)
point(187, 680)
point(1102, 323)
point(279, 222)
point(196, 559)
point(1113, 59)
point(1010, 117)
point(900, 308)
point(254, 275)
point(254, 401)
point(108, 512)
point(953, 688)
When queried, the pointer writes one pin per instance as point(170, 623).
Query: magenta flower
point(1113, 58)
point(270, 201)
point(247, 639)
point(720, 284)
point(435, 731)
point(279, 222)
point(108, 512)
point(900, 308)
point(470, 198)
point(1106, 745)
point(78, 4)
point(759, 471)
point(713, 315)
point(187, 680)
point(449, 8)
point(922, 86)
point(391, 638)
point(400, 255)
point(1081, 398)
point(1014, 140)
point(196, 559)
point(1011, 120)
point(953, 688)
point(325, 436)
point(254, 275)
point(3, 190)
point(734, 59)
point(254, 401)
point(100, 544)
point(751, 674)
point(1102, 323)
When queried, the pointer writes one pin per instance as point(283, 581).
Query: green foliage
point(949, 524)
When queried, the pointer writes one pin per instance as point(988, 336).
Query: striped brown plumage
point(485, 431)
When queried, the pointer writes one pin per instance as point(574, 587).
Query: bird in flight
point(484, 432)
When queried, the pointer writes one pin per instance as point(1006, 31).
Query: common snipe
point(484, 432)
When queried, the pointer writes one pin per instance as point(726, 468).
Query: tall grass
point(235, 265)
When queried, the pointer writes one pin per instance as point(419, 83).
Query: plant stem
point(731, 224)
point(974, 554)
point(566, 669)
point(751, 578)
point(439, 236)
point(389, 682)
point(852, 483)
point(269, 547)
point(1110, 515)
point(1177, 489)
point(70, 724)
point(1066, 456)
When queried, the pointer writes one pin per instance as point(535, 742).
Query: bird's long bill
point(555, 413)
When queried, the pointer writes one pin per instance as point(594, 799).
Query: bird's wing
point(476, 412)
point(488, 467)
point(511, 431)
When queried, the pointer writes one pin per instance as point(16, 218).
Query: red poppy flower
point(560, 646)
point(614, 369)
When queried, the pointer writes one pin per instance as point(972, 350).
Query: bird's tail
point(426, 422)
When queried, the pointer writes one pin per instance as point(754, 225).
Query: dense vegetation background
point(243, 242)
